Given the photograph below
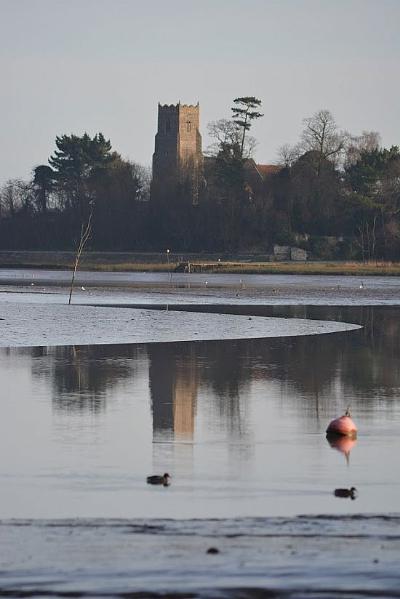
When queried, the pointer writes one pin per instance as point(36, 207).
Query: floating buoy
point(343, 426)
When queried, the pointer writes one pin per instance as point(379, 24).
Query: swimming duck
point(352, 493)
point(157, 479)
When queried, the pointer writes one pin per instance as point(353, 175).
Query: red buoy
point(343, 426)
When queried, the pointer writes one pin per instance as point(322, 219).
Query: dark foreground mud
point(324, 556)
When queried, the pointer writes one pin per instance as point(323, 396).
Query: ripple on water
point(261, 557)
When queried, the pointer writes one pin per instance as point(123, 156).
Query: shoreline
point(94, 287)
point(199, 263)
point(253, 557)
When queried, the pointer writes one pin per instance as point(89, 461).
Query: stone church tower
point(177, 157)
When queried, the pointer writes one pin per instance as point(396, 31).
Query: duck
point(158, 479)
point(352, 493)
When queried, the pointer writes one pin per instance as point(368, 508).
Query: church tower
point(177, 157)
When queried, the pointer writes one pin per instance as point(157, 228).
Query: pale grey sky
point(69, 66)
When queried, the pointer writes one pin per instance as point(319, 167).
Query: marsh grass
point(109, 262)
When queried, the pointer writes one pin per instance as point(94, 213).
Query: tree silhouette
point(244, 112)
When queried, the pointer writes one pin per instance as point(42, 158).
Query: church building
point(178, 162)
point(177, 157)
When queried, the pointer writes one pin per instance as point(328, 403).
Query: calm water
point(239, 424)
point(167, 288)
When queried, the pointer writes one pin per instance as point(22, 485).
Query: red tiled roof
point(268, 169)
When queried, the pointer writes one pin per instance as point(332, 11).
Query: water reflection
point(368, 359)
point(342, 444)
point(173, 381)
point(81, 376)
point(232, 421)
point(325, 371)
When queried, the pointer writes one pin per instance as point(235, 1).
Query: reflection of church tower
point(177, 156)
point(173, 386)
point(185, 393)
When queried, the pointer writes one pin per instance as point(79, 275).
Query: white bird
point(83, 289)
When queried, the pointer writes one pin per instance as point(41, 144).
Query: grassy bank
point(152, 262)
point(314, 268)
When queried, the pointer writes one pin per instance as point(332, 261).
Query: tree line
point(84, 176)
point(333, 193)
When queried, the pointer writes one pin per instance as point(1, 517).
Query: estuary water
point(238, 423)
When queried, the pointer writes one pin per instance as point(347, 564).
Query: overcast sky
point(70, 66)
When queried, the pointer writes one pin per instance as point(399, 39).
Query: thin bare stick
point(85, 235)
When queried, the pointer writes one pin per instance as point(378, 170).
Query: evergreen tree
point(43, 183)
point(76, 162)
point(244, 112)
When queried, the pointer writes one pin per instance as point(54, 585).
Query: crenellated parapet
point(176, 106)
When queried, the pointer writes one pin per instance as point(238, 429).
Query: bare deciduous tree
point(287, 155)
point(15, 195)
point(357, 144)
point(143, 176)
point(321, 135)
point(226, 134)
point(367, 238)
